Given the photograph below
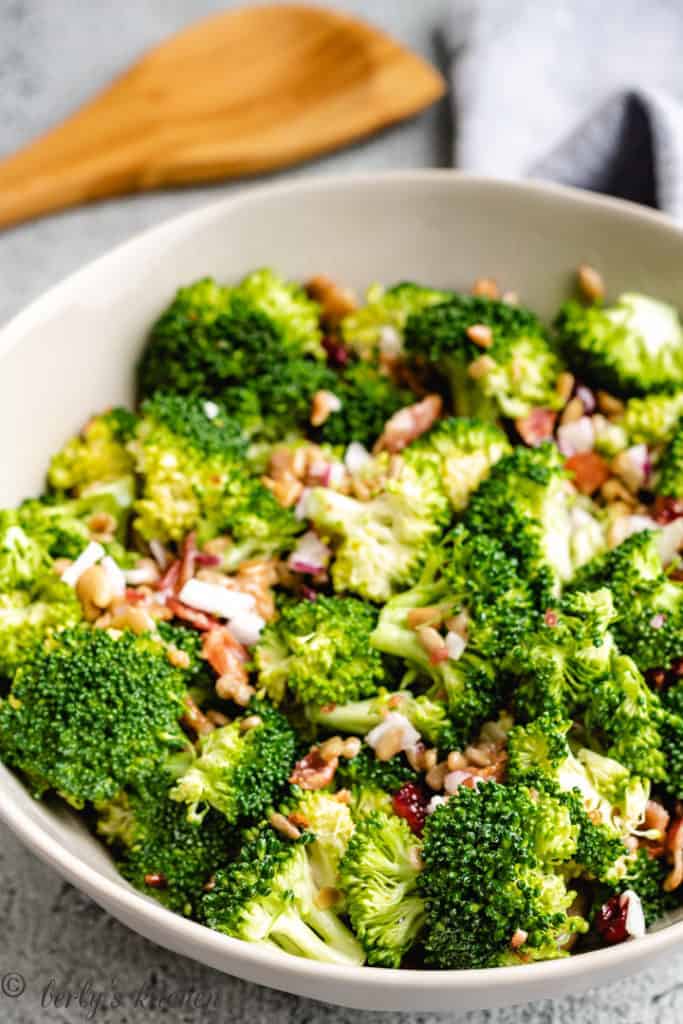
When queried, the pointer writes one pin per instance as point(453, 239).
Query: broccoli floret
point(268, 895)
point(373, 782)
point(239, 772)
point(606, 803)
point(368, 399)
point(381, 321)
point(630, 348)
point(331, 822)
point(428, 716)
point(525, 504)
point(240, 357)
point(22, 558)
point(190, 455)
point(646, 877)
point(379, 875)
point(672, 738)
point(158, 850)
point(29, 615)
point(319, 652)
point(473, 578)
point(648, 605)
point(653, 419)
point(571, 651)
point(91, 712)
point(97, 456)
point(464, 451)
point(288, 306)
point(670, 483)
point(496, 840)
point(379, 544)
point(522, 367)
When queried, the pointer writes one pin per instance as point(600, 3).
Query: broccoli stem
point(296, 936)
point(357, 717)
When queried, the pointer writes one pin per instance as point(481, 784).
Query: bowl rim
point(118, 896)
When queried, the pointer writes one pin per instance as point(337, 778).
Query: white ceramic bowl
point(72, 352)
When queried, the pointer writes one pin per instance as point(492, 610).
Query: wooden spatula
point(239, 93)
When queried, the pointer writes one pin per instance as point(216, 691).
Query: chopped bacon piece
point(188, 558)
point(134, 596)
point(667, 509)
point(408, 424)
point(195, 719)
point(590, 471)
point(225, 655)
point(313, 771)
point(536, 427)
point(200, 620)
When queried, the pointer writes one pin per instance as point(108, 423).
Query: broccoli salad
point(361, 637)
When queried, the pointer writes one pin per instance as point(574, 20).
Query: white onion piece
point(626, 526)
point(246, 628)
point(335, 474)
point(587, 398)
point(211, 410)
point(576, 437)
point(635, 918)
point(356, 456)
point(670, 540)
point(88, 557)
point(455, 645)
point(301, 507)
point(141, 575)
point(389, 341)
point(114, 575)
point(435, 802)
point(394, 720)
point(215, 599)
point(310, 555)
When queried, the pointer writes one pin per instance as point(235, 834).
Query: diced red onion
point(435, 802)
point(394, 720)
point(574, 438)
point(246, 628)
point(88, 557)
point(454, 780)
point(356, 456)
point(669, 540)
point(215, 599)
point(160, 554)
point(635, 918)
point(310, 556)
point(204, 558)
point(115, 576)
point(455, 645)
point(658, 620)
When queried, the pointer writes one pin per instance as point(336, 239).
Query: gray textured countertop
point(52, 55)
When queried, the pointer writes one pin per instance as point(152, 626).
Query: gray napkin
point(582, 92)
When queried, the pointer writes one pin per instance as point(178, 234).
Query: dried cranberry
point(411, 803)
point(610, 920)
point(308, 593)
point(667, 509)
point(337, 354)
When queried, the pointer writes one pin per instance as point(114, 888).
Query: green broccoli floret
point(288, 306)
point(22, 558)
point(464, 450)
point(522, 367)
point(606, 803)
point(373, 782)
point(652, 420)
point(430, 717)
point(158, 850)
point(470, 577)
point(332, 824)
point(368, 399)
point(670, 483)
point(379, 544)
point(495, 839)
point(381, 321)
point(268, 895)
point(672, 738)
point(90, 713)
point(648, 605)
point(190, 456)
point(525, 504)
point(630, 348)
point(319, 652)
point(239, 772)
point(29, 615)
point(97, 456)
point(379, 876)
point(239, 357)
point(566, 657)
point(65, 526)
point(646, 877)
